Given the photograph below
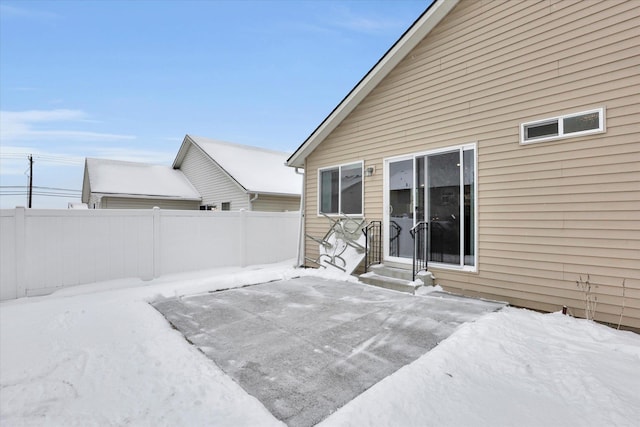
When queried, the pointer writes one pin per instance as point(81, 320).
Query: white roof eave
point(147, 196)
point(268, 193)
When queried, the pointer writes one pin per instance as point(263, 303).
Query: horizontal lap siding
point(266, 203)
point(213, 184)
point(547, 212)
point(133, 203)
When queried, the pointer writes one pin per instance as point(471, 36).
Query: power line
point(60, 159)
point(49, 158)
point(41, 188)
point(30, 190)
point(12, 155)
point(37, 193)
point(22, 190)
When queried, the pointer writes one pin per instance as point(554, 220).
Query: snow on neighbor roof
point(258, 170)
point(139, 179)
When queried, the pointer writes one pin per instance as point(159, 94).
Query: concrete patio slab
point(305, 347)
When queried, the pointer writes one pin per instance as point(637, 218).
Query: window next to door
point(340, 190)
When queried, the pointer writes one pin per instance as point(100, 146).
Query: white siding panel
point(213, 184)
point(134, 203)
point(266, 203)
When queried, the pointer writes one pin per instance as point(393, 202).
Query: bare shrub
point(590, 299)
point(622, 309)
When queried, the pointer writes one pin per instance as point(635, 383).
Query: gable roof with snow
point(255, 169)
point(138, 179)
point(410, 39)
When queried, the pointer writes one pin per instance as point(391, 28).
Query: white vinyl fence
point(45, 249)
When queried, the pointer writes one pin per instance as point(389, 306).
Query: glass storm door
point(443, 194)
point(400, 208)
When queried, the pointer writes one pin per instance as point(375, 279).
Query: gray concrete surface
point(305, 347)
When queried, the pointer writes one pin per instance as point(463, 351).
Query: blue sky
point(128, 79)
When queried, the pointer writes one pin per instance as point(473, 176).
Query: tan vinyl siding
point(134, 203)
point(547, 212)
point(213, 184)
point(266, 203)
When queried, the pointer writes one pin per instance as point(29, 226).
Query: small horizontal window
point(581, 123)
point(541, 130)
point(577, 124)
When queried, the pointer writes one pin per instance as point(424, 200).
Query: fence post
point(243, 238)
point(157, 270)
point(20, 248)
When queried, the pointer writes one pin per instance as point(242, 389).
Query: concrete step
point(387, 282)
point(402, 273)
point(398, 279)
point(395, 272)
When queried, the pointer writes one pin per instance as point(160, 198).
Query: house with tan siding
point(235, 176)
point(509, 131)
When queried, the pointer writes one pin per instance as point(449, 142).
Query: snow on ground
point(513, 367)
point(101, 355)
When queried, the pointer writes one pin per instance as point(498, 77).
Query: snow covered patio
point(306, 346)
point(101, 355)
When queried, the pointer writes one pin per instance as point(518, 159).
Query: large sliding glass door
point(439, 188)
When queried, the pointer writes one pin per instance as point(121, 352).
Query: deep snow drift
point(101, 355)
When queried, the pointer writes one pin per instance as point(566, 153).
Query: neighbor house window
point(340, 189)
point(226, 206)
point(576, 124)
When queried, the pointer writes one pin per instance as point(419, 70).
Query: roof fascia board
point(86, 182)
point(146, 196)
point(266, 193)
point(414, 35)
point(182, 151)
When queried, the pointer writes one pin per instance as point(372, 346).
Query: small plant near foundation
point(590, 299)
point(622, 309)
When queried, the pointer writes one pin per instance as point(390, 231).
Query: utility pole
point(30, 180)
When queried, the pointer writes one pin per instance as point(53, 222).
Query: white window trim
point(319, 199)
point(560, 119)
point(385, 223)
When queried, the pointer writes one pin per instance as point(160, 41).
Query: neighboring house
point(233, 177)
point(513, 129)
point(114, 184)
